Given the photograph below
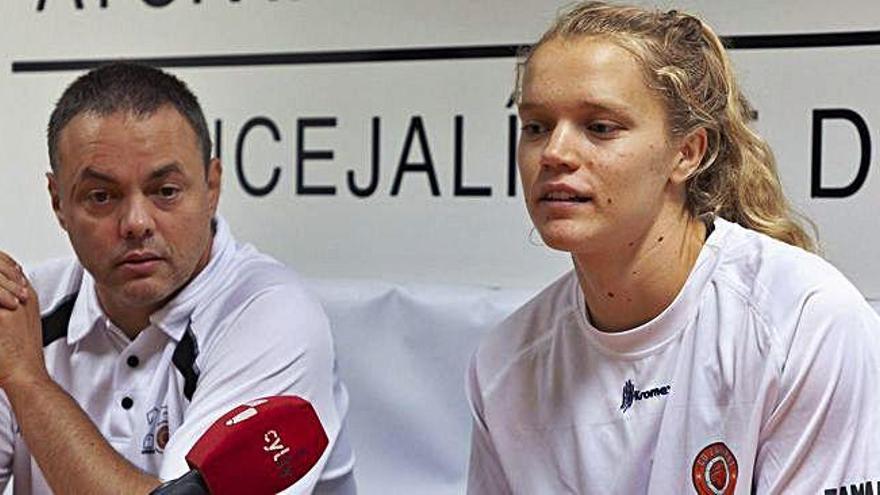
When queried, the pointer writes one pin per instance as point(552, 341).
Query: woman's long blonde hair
point(686, 63)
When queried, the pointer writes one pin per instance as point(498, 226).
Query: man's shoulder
point(255, 288)
point(260, 311)
point(250, 274)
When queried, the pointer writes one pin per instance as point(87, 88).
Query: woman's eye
point(603, 128)
point(532, 128)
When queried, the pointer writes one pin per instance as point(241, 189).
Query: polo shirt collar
point(174, 317)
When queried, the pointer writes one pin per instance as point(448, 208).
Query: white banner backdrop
point(415, 121)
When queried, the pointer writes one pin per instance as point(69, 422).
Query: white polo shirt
point(244, 328)
point(760, 377)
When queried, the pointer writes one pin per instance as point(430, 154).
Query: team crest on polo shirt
point(157, 431)
point(715, 470)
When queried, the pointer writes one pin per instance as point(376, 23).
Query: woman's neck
point(624, 288)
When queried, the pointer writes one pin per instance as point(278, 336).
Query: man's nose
point(137, 219)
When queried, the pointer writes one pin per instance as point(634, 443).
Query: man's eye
point(168, 192)
point(99, 197)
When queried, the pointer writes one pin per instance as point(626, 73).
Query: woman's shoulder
point(785, 285)
point(765, 267)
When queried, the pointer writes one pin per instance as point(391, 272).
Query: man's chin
point(143, 293)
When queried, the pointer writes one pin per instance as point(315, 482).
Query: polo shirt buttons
point(133, 361)
point(127, 402)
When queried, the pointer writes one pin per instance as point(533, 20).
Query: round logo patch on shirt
point(162, 435)
point(715, 470)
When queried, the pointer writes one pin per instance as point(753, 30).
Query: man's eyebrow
point(90, 173)
point(165, 171)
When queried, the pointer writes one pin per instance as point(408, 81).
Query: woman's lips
point(562, 197)
point(560, 192)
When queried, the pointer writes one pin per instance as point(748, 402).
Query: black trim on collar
point(55, 324)
point(184, 359)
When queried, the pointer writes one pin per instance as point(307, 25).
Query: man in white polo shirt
point(163, 322)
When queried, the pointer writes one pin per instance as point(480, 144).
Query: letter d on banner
point(816, 189)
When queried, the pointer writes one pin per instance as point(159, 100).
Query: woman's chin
point(564, 241)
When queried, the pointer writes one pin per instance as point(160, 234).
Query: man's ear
point(691, 151)
point(55, 195)
point(214, 178)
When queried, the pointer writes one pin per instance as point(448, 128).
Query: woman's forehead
point(591, 69)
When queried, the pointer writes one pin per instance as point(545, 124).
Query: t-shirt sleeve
point(278, 343)
point(824, 432)
point(485, 474)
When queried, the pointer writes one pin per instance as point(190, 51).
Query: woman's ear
point(691, 151)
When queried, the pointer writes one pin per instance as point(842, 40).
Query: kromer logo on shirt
point(631, 394)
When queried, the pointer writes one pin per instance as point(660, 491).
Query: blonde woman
point(697, 346)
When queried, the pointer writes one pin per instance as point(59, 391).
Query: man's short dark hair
point(126, 87)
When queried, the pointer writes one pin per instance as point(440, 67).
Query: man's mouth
point(137, 258)
point(140, 263)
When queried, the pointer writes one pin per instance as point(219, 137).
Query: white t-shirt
point(760, 377)
point(243, 328)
